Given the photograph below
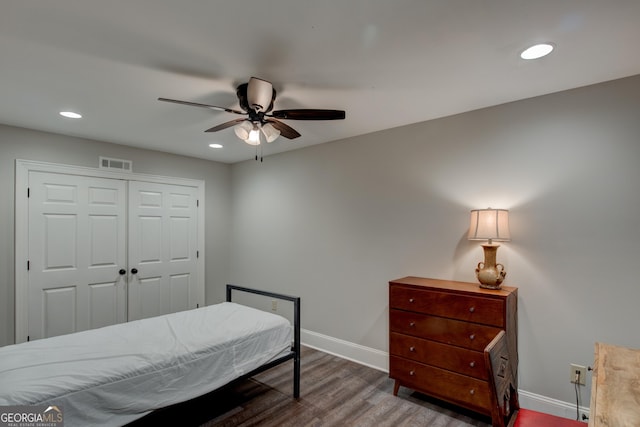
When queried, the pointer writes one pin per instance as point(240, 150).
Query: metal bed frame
point(295, 348)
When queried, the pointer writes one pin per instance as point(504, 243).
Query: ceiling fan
point(256, 100)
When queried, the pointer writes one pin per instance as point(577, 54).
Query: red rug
point(528, 418)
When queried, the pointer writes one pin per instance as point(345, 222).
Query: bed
point(119, 373)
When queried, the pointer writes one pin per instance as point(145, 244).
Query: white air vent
point(116, 164)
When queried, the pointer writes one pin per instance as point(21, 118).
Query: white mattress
point(116, 374)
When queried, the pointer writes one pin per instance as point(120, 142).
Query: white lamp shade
point(489, 224)
point(254, 137)
point(270, 132)
point(242, 130)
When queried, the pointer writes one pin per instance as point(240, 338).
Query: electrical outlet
point(274, 305)
point(578, 370)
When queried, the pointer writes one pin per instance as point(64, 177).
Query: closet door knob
point(472, 309)
point(122, 271)
point(134, 271)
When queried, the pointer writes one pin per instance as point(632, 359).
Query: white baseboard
point(379, 360)
point(537, 402)
point(366, 356)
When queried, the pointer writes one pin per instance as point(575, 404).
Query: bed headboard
point(295, 348)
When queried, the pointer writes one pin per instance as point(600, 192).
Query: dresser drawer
point(448, 331)
point(488, 311)
point(456, 388)
point(460, 360)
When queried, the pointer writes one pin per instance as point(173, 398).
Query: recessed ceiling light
point(537, 51)
point(71, 114)
point(215, 145)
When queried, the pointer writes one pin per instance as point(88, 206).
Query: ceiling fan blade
point(285, 130)
point(195, 104)
point(225, 125)
point(309, 114)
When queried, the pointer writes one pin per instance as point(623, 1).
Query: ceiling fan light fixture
point(243, 130)
point(270, 132)
point(254, 136)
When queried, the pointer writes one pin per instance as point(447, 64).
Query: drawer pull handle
point(472, 364)
point(411, 300)
point(412, 348)
point(472, 336)
point(472, 309)
point(412, 324)
point(472, 392)
point(412, 373)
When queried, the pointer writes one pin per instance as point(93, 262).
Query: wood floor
point(333, 392)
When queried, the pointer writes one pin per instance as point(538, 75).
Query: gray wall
point(18, 143)
point(334, 223)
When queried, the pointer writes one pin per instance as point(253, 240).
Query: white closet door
point(163, 247)
point(77, 248)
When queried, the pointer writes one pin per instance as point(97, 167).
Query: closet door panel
point(77, 246)
point(163, 227)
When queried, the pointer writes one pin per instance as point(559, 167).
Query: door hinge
point(197, 203)
point(197, 254)
point(28, 338)
point(28, 265)
point(28, 192)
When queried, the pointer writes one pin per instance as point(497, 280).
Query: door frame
point(23, 168)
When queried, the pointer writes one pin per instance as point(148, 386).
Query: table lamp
point(490, 224)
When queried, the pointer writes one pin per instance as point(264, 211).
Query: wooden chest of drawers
point(438, 332)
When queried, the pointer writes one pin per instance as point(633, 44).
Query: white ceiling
point(386, 63)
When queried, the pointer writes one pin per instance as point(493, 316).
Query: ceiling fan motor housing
point(260, 95)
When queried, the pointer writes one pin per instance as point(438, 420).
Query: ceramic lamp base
point(489, 274)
